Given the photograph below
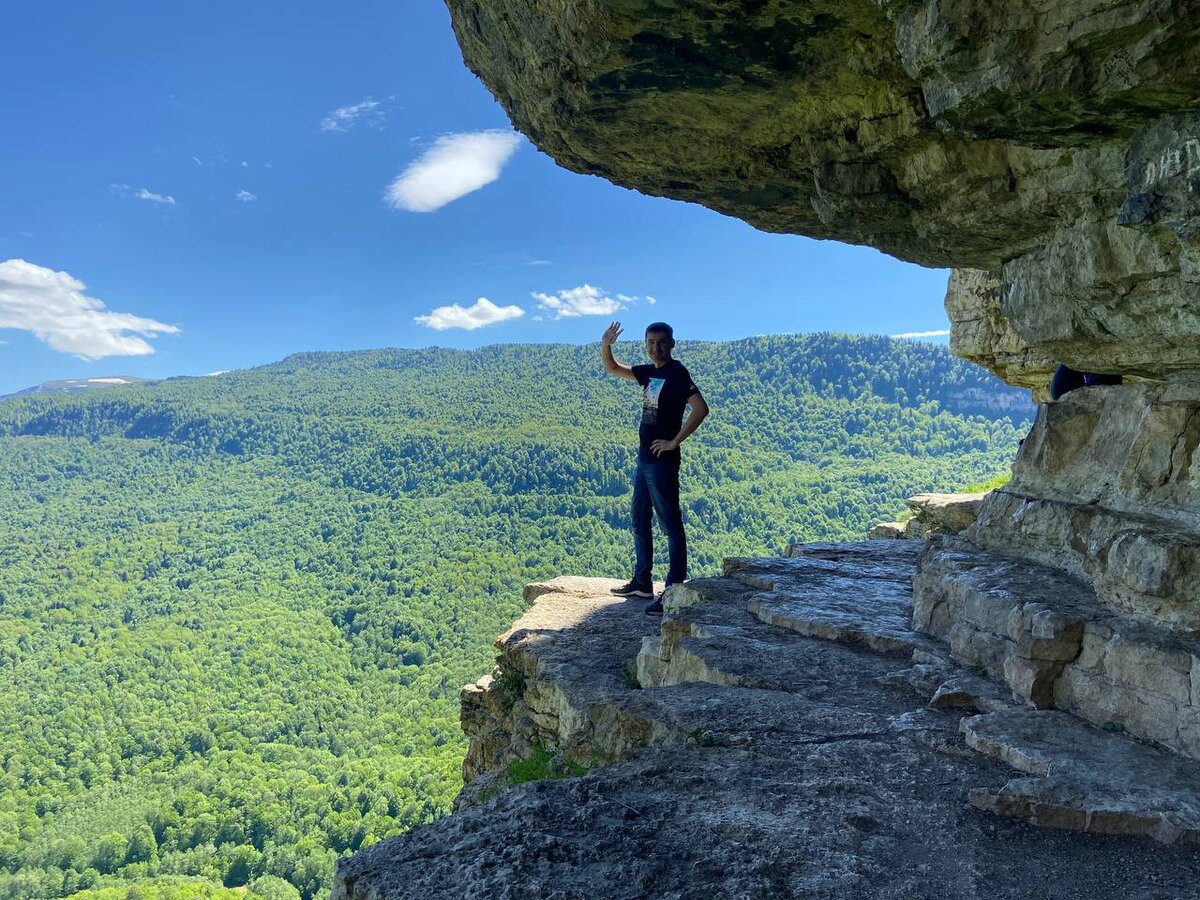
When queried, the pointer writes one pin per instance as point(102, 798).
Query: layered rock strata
point(1049, 638)
point(1107, 488)
point(1079, 582)
point(772, 745)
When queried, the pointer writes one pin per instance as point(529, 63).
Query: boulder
point(946, 513)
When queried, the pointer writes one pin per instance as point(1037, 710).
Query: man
point(666, 389)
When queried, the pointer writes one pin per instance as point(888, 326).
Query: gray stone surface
point(1107, 488)
point(981, 333)
point(766, 764)
point(1088, 779)
point(847, 592)
point(1047, 636)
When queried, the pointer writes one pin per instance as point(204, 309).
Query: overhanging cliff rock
point(1052, 149)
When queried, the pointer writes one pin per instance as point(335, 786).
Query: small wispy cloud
point(143, 194)
point(246, 196)
point(52, 305)
point(369, 112)
point(537, 262)
point(585, 300)
point(125, 190)
point(456, 165)
point(482, 312)
point(923, 334)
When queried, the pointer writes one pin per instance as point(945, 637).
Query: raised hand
point(611, 333)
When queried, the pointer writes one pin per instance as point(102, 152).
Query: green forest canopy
point(235, 611)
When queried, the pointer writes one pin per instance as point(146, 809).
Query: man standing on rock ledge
point(666, 389)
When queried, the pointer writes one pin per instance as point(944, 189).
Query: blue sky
point(194, 188)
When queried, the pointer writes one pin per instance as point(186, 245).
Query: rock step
point(710, 634)
point(1047, 635)
point(1086, 779)
point(858, 592)
point(821, 778)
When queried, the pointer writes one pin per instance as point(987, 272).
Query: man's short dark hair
point(661, 328)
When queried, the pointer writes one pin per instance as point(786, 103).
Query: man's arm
point(695, 417)
point(610, 364)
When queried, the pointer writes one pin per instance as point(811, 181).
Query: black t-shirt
point(665, 392)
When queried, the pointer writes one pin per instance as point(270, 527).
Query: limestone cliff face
point(1053, 146)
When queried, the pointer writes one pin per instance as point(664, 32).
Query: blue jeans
point(656, 491)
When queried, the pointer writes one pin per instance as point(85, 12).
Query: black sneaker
point(633, 589)
point(656, 608)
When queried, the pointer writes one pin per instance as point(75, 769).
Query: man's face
point(658, 346)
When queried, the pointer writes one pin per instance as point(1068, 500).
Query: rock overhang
point(1047, 145)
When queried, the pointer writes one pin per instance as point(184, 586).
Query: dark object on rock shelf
point(1066, 379)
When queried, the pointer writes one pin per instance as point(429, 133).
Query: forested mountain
point(235, 611)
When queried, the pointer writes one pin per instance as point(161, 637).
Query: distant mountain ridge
point(70, 385)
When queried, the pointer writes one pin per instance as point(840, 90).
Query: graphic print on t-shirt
point(650, 394)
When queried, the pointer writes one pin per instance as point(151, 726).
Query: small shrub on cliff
point(542, 765)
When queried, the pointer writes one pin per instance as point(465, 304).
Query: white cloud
point(198, 161)
point(651, 300)
point(482, 312)
point(537, 262)
point(923, 334)
point(53, 306)
point(369, 112)
point(246, 196)
point(453, 167)
point(142, 194)
point(585, 300)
